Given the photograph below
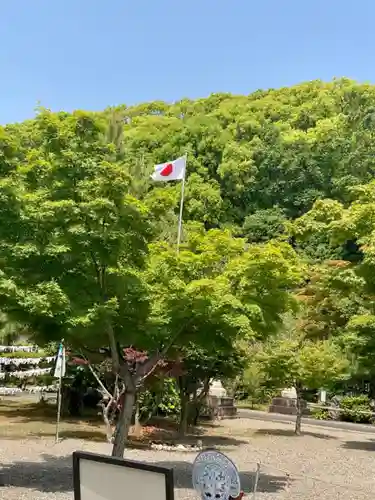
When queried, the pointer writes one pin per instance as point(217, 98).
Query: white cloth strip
point(26, 373)
point(44, 388)
point(26, 361)
point(18, 348)
point(5, 391)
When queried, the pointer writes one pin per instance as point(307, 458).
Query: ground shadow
point(291, 433)
point(169, 425)
point(31, 413)
point(93, 435)
point(210, 424)
point(54, 474)
point(267, 483)
point(210, 441)
point(359, 445)
point(35, 412)
point(158, 436)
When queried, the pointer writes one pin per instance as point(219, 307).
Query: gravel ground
point(323, 463)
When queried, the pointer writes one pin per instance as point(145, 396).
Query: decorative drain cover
point(215, 477)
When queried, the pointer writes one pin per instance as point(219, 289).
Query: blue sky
point(87, 54)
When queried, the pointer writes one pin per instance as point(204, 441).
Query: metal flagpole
point(59, 369)
point(181, 208)
point(58, 410)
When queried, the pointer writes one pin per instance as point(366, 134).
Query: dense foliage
point(278, 223)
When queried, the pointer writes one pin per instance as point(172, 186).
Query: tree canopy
point(278, 215)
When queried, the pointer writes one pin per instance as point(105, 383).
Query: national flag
point(170, 171)
point(60, 367)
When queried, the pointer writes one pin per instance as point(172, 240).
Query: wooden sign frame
point(79, 457)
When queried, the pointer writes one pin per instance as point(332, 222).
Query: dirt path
point(323, 463)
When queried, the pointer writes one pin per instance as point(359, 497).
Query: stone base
point(215, 401)
point(221, 407)
point(287, 406)
point(226, 411)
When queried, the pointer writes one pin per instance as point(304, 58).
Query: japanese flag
point(170, 171)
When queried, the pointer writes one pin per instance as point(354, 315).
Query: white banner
point(26, 373)
point(18, 348)
point(26, 361)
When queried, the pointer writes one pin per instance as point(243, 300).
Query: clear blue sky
point(88, 54)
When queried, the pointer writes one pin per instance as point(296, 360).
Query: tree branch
point(148, 368)
point(105, 390)
point(127, 377)
point(104, 350)
point(97, 271)
point(114, 349)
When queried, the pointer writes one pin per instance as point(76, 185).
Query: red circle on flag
point(167, 170)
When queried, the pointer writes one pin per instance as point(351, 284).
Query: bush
point(320, 414)
point(161, 399)
point(356, 409)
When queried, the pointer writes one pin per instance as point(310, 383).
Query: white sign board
point(101, 477)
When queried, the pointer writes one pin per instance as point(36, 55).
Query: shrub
point(356, 409)
point(320, 414)
point(161, 399)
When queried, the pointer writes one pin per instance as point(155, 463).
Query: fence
point(332, 410)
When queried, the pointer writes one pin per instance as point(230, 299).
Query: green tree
point(282, 148)
point(291, 360)
point(12, 332)
point(215, 293)
point(75, 264)
point(342, 297)
point(78, 212)
point(264, 225)
point(199, 366)
point(250, 385)
point(74, 243)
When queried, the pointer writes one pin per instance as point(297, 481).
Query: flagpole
point(181, 208)
point(59, 390)
point(58, 410)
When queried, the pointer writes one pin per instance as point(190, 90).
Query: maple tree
point(78, 262)
point(87, 246)
point(292, 360)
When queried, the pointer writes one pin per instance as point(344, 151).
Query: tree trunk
point(199, 400)
point(298, 389)
point(184, 414)
point(106, 407)
point(137, 423)
point(123, 425)
point(197, 411)
point(184, 405)
point(372, 388)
